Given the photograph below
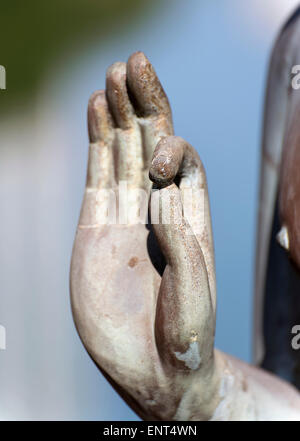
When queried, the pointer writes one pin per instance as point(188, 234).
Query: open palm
point(143, 286)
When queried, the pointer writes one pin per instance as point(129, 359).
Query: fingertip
point(115, 73)
point(99, 119)
point(117, 96)
point(148, 94)
point(96, 101)
point(167, 158)
point(137, 63)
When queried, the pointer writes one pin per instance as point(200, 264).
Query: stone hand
point(143, 293)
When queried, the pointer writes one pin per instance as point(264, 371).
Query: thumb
point(185, 320)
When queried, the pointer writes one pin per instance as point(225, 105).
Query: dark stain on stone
point(133, 262)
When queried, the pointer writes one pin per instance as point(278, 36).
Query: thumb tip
point(163, 170)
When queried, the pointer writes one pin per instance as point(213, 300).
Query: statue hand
point(143, 331)
point(143, 294)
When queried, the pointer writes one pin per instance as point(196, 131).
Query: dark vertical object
point(281, 311)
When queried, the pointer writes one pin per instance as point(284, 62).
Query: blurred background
point(211, 57)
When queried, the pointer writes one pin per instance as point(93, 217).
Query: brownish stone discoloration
point(150, 331)
point(117, 95)
point(100, 122)
point(144, 85)
point(133, 262)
